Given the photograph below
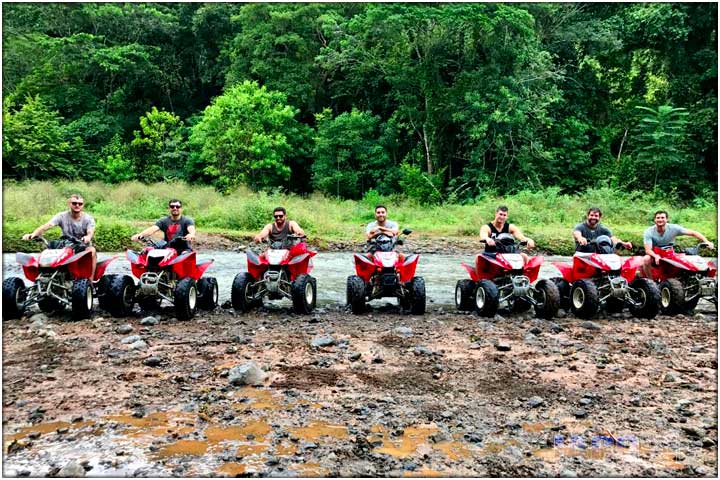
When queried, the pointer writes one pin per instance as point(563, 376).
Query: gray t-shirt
point(71, 227)
point(590, 233)
point(672, 230)
point(388, 224)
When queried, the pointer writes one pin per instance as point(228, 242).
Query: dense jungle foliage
point(443, 102)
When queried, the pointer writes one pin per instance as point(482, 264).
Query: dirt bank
point(382, 394)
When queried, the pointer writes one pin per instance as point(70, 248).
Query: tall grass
point(546, 215)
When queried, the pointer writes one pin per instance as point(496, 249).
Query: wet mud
point(392, 395)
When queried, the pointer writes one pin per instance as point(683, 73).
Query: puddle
point(247, 450)
point(44, 428)
point(412, 439)
point(183, 447)
point(232, 469)
point(310, 469)
point(256, 430)
point(316, 430)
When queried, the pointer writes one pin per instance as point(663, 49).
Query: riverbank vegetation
point(546, 215)
point(443, 102)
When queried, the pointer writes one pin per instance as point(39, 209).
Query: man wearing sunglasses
point(75, 224)
point(280, 229)
point(178, 230)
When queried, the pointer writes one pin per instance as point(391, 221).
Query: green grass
point(547, 216)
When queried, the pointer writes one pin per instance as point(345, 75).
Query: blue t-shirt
point(672, 230)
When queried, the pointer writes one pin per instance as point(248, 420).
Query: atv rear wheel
point(120, 296)
point(672, 296)
point(564, 289)
point(418, 297)
point(185, 298)
point(208, 293)
point(584, 298)
point(14, 295)
point(464, 293)
point(82, 299)
point(547, 296)
point(356, 294)
point(304, 294)
point(647, 294)
point(102, 288)
point(486, 298)
point(242, 292)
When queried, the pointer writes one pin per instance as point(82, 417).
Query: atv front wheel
point(584, 298)
point(647, 296)
point(304, 294)
point(102, 288)
point(120, 296)
point(486, 298)
point(672, 296)
point(14, 295)
point(464, 292)
point(82, 299)
point(418, 297)
point(185, 298)
point(208, 293)
point(241, 294)
point(547, 296)
point(356, 294)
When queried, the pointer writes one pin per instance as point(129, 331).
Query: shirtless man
point(176, 228)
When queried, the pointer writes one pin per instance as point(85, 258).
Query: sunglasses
point(77, 204)
point(175, 206)
point(279, 216)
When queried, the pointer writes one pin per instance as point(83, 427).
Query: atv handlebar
point(696, 249)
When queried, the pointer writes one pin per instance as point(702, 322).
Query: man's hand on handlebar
point(29, 236)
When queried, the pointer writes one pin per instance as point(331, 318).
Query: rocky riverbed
point(272, 393)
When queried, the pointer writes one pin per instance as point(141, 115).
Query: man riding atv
point(381, 225)
point(75, 224)
point(279, 230)
point(499, 225)
point(178, 230)
point(591, 229)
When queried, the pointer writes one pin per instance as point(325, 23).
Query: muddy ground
point(381, 394)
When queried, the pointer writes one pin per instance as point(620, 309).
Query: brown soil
point(442, 401)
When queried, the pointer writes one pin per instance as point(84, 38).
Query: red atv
point(386, 273)
point(502, 278)
point(164, 275)
point(60, 278)
point(283, 270)
point(601, 279)
point(684, 278)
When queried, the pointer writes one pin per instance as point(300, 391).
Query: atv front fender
point(102, 266)
point(630, 267)
point(471, 270)
point(566, 271)
point(532, 268)
point(407, 269)
point(299, 265)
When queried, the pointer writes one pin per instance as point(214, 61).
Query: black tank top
point(494, 232)
point(279, 235)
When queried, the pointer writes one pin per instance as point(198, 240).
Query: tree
point(246, 137)
point(36, 144)
point(159, 147)
point(349, 158)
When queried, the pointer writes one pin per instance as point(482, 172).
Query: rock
point(568, 473)
point(657, 346)
point(139, 345)
point(535, 402)
point(421, 350)
point(474, 346)
point(679, 456)
point(404, 331)
point(498, 318)
point(669, 378)
point(231, 349)
point(76, 419)
point(555, 327)
point(131, 339)
point(699, 316)
point(700, 470)
point(355, 356)
point(323, 341)
point(580, 413)
point(708, 442)
point(39, 318)
point(23, 473)
point(124, 329)
point(152, 362)
point(590, 325)
point(246, 374)
point(473, 438)
point(72, 469)
point(535, 330)
point(502, 346)
point(585, 401)
point(149, 321)
point(378, 360)
point(694, 432)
